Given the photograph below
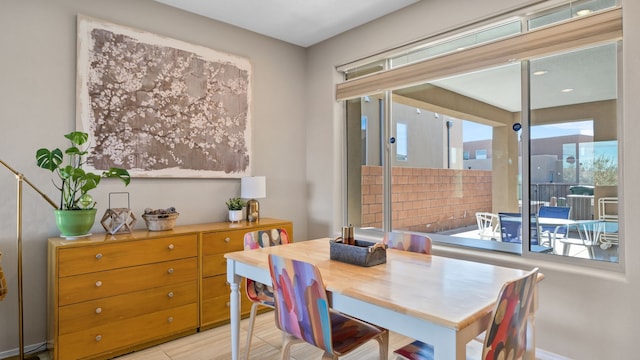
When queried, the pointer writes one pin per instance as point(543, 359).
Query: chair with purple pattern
point(257, 292)
point(505, 336)
point(303, 313)
point(408, 242)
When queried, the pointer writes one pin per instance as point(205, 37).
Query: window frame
point(600, 27)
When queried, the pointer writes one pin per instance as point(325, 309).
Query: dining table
point(443, 301)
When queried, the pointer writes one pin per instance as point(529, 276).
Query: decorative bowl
point(160, 222)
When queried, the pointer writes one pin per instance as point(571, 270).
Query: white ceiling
point(300, 22)
point(591, 75)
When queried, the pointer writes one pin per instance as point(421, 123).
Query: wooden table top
point(450, 292)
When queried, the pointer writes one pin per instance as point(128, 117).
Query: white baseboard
point(547, 355)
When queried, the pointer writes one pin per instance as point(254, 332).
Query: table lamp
point(253, 187)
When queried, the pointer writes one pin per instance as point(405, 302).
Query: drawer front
point(213, 265)
point(106, 256)
point(79, 288)
point(216, 286)
point(215, 300)
point(217, 310)
point(94, 313)
point(126, 333)
point(223, 241)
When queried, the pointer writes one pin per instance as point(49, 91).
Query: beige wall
point(37, 106)
point(585, 313)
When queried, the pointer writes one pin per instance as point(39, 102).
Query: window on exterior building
point(401, 142)
point(524, 140)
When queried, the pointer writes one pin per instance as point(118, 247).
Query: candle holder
point(117, 220)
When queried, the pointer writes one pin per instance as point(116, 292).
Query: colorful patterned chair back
point(256, 291)
point(303, 312)
point(265, 238)
point(408, 242)
point(506, 335)
point(302, 307)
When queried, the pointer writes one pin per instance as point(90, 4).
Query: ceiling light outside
point(583, 12)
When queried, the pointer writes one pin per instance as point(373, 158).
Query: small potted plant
point(76, 214)
point(235, 206)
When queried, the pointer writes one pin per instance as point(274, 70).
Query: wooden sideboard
point(113, 294)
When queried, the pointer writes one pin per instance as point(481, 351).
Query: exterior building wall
point(426, 199)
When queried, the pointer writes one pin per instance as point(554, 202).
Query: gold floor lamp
point(19, 180)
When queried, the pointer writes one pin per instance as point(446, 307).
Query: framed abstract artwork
point(160, 107)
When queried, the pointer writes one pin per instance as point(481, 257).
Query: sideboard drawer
point(217, 286)
point(79, 288)
point(104, 311)
point(213, 265)
point(223, 242)
point(104, 339)
point(80, 260)
point(216, 297)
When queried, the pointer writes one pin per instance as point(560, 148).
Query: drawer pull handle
point(171, 246)
point(98, 256)
point(228, 304)
point(98, 337)
point(170, 271)
point(170, 319)
point(98, 310)
point(170, 294)
point(227, 239)
point(98, 283)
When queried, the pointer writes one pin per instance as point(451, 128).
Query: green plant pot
point(75, 222)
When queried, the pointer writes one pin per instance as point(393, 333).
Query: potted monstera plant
point(76, 213)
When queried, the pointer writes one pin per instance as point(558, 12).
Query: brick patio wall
point(426, 200)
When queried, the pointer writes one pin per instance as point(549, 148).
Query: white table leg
point(234, 306)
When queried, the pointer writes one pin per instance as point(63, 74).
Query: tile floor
point(214, 344)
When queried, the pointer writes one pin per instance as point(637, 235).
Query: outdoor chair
point(488, 225)
point(553, 232)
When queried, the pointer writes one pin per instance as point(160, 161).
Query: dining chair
point(258, 293)
point(407, 241)
point(505, 336)
point(303, 313)
point(488, 225)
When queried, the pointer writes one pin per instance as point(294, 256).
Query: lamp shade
point(253, 187)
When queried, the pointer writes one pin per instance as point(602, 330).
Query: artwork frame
point(161, 107)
